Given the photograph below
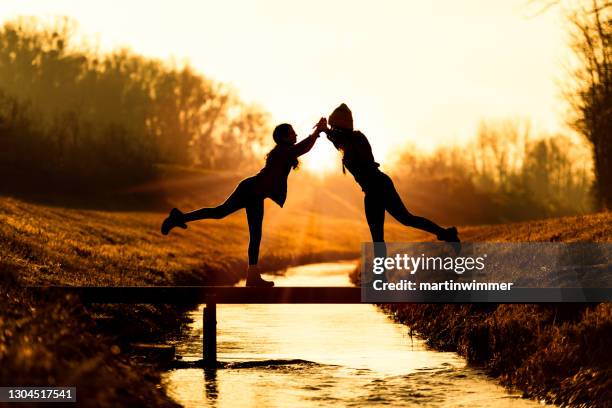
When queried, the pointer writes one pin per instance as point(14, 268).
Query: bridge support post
point(210, 333)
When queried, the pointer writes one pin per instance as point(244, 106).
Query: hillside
point(115, 240)
point(559, 353)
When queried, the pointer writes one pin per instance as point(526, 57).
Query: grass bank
point(556, 352)
point(49, 239)
point(62, 342)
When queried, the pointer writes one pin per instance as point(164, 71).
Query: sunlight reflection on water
point(348, 355)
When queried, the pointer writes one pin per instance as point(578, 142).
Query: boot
point(451, 236)
point(254, 278)
point(174, 219)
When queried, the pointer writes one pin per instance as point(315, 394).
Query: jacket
point(271, 181)
point(357, 156)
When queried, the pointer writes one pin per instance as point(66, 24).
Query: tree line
point(73, 115)
point(506, 173)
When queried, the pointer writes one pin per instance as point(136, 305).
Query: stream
point(283, 355)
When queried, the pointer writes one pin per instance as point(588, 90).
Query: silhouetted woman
point(270, 182)
point(380, 193)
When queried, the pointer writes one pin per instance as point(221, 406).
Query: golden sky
point(424, 72)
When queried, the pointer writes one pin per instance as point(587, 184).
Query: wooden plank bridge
point(213, 295)
point(210, 296)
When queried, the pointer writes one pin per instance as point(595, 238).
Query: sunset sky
point(423, 72)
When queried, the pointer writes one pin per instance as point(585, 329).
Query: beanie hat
point(341, 117)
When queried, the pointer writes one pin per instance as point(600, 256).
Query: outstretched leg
point(237, 200)
point(397, 209)
point(395, 206)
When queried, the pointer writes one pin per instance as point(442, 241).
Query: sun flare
point(323, 158)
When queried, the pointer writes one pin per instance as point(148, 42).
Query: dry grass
point(57, 341)
point(54, 245)
point(557, 352)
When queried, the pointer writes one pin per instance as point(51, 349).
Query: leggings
point(243, 196)
point(381, 196)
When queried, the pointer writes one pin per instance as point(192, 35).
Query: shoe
point(254, 278)
point(174, 219)
point(451, 236)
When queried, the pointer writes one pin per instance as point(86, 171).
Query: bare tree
point(591, 94)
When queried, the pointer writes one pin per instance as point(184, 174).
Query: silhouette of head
point(284, 134)
point(341, 118)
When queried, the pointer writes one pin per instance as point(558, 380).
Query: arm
point(305, 145)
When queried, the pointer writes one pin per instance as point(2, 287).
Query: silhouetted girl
point(380, 193)
point(270, 182)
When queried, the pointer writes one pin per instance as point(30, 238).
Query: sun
point(322, 159)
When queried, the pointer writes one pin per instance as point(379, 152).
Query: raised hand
point(321, 126)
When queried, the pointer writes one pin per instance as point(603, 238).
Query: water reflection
point(210, 384)
point(324, 355)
